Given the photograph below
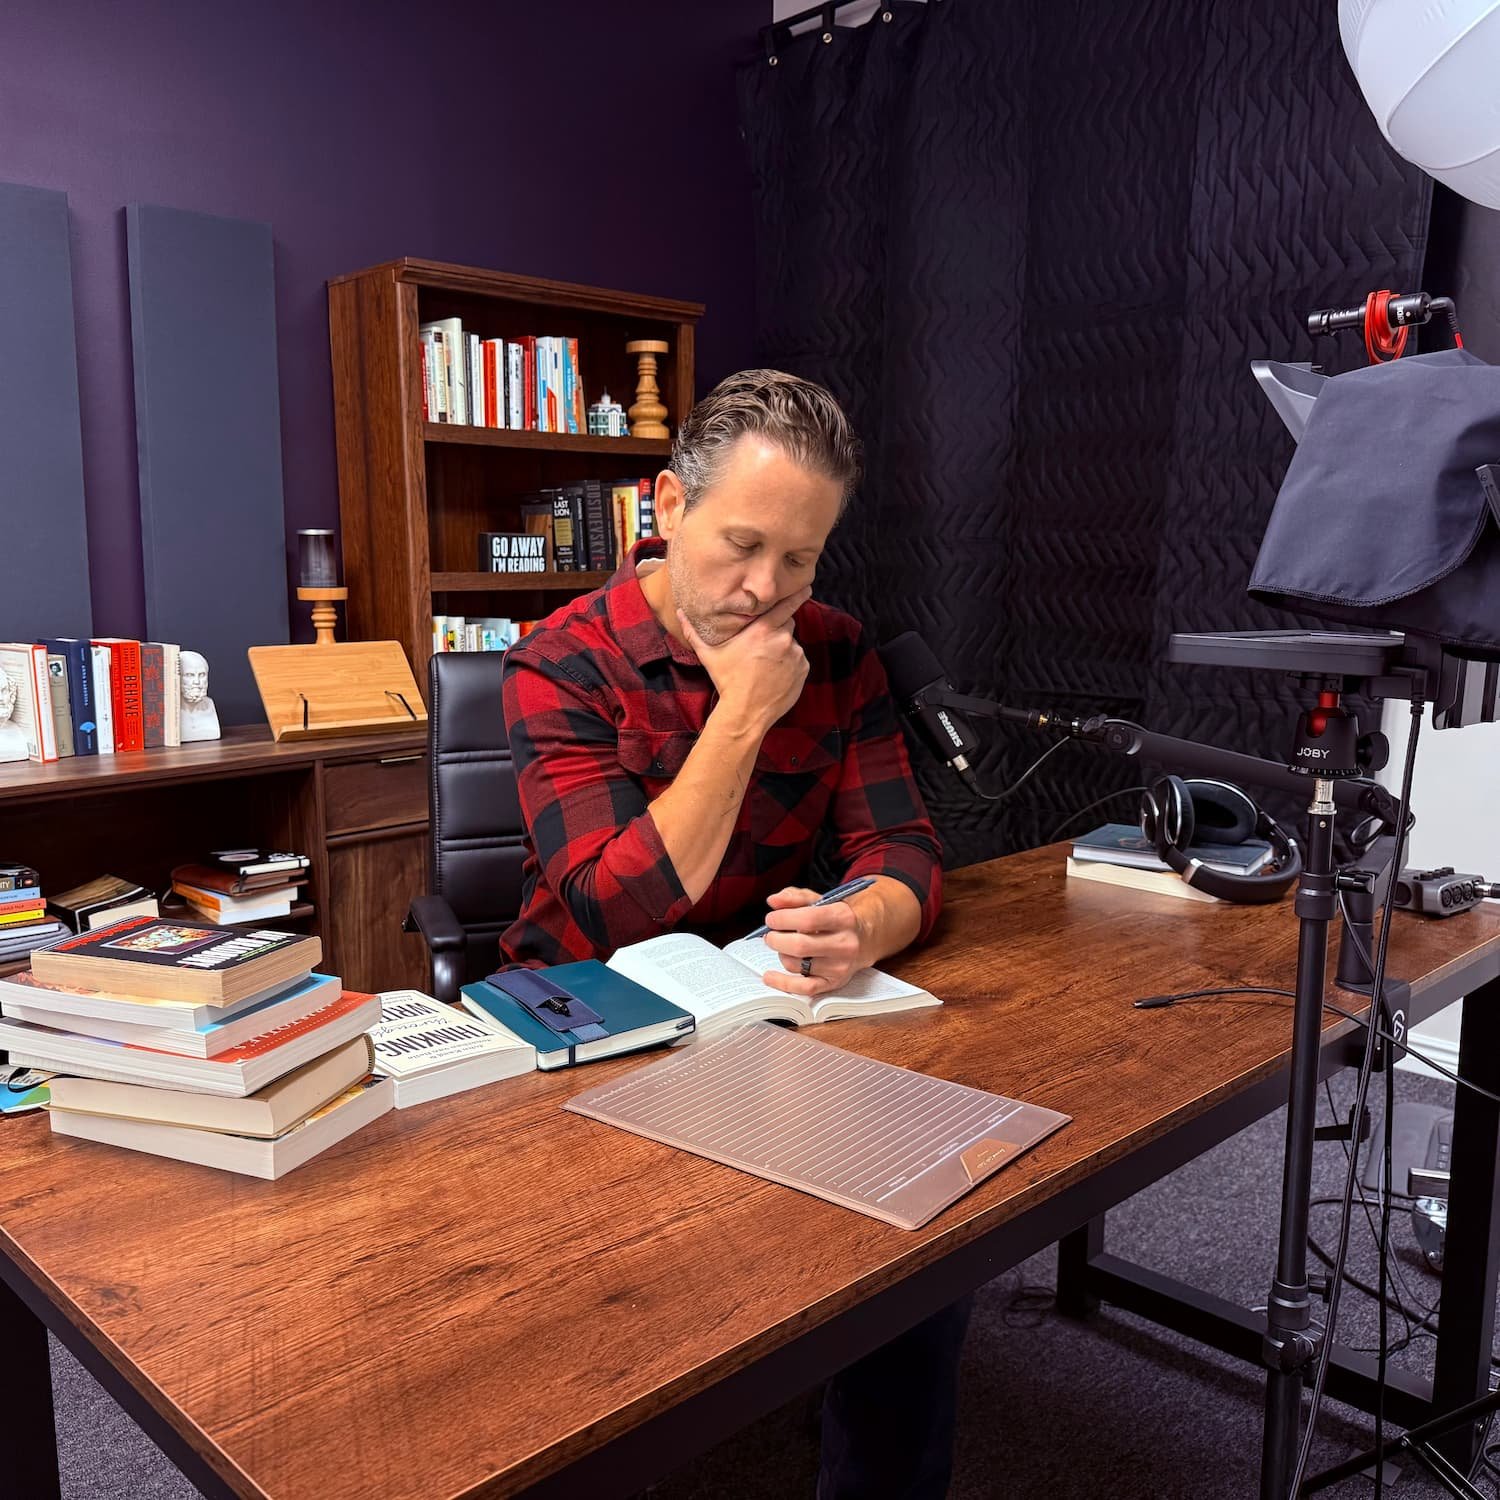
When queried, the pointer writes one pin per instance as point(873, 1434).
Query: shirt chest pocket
point(654, 757)
point(795, 774)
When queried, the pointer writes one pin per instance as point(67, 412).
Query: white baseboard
point(1441, 1049)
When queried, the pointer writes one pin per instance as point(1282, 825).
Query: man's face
point(753, 539)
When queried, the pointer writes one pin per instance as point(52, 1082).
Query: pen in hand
point(838, 893)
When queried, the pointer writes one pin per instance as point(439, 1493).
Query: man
point(685, 738)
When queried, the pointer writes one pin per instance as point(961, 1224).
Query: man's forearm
point(888, 916)
point(696, 815)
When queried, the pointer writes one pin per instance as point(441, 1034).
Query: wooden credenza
point(357, 806)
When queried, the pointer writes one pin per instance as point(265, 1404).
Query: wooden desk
point(355, 804)
point(487, 1294)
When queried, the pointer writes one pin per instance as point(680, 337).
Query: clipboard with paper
point(882, 1140)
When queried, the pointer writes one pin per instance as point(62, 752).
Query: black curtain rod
point(779, 33)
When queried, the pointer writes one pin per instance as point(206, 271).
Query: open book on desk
point(722, 987)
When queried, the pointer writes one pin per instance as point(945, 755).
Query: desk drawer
point(375, 793)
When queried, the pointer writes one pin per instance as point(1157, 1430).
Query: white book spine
point(41, 691)
point(171, 676)
point(515, 387)
point(104, 711)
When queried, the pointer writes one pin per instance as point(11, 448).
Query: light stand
point(1379, 665)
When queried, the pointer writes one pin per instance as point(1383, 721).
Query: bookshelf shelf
point(549, 442)
point(414, 495)
point(506, 583)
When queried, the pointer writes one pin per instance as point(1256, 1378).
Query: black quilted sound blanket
point(1033, 247)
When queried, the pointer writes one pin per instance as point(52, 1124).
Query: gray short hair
point(801, 418)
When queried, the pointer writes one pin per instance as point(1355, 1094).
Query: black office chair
point(475, 819)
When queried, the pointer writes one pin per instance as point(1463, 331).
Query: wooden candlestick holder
point(324, 615)
point(648, 417)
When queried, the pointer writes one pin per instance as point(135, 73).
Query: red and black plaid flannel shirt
point(603, 706)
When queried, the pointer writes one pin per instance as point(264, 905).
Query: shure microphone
point(914, 672)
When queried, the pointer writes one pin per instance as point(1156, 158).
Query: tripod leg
point(1289, 1344)
point(1471, 1251)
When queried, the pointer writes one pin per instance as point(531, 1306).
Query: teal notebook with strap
point(578, 1012)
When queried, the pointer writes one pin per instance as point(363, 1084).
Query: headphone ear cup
point(1167, 815)
point(1222, 812)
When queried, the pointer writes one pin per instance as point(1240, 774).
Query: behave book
point(170, 960)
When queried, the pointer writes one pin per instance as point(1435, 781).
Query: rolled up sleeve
point(590, 825)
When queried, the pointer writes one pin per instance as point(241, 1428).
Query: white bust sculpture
point(200, 719)
point(13, 744)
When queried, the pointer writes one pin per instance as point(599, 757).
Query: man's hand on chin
point(831, 936)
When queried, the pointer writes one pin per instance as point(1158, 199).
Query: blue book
point(631, 1015)
point(1125, 844)
point(79, 657)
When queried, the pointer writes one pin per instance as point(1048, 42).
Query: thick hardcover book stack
point(533, 383)
point(92, 697)
point(233, 886)
point(184, 1040)
point(25, 923)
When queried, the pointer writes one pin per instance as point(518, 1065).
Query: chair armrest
point(435, 920)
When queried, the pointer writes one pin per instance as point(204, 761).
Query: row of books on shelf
point(228, 886)
point(468, 633)
point(91, 697)
point(530, 384)
point(590, 524)
point(228, 1049)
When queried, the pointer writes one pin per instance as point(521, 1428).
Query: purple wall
point(592, 142)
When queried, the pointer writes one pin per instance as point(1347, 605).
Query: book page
point(692, 973)
point(867, 985)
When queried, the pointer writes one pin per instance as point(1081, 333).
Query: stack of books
point(98, 903)
point(25, 924)
point(94, 697)
point(1120, 854)
point(241, 885)
point(179, 1039)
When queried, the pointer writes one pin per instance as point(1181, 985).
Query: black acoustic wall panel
point(208, 431)
point(44, 564)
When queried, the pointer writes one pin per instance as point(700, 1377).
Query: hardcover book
point(30, 720)
point(179, 960)
point(62, 708)
point(78, 659)
point(153, 696)
point(104, 697)
point(125, 691)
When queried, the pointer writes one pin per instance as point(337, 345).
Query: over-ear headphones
point(1176, 814)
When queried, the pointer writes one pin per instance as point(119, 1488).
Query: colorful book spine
point(645, 508)
point(578, 416)
point(153, 696)
point(564, 550)
point(125, 691)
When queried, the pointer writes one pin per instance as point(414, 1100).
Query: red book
point(125, 691)
point(528, 365)
point(491, 407)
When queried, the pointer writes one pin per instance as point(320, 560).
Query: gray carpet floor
point(1050, 1409)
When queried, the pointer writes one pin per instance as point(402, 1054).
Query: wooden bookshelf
point(415, 495)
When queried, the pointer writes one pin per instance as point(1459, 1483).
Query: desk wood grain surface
point(469, 1294)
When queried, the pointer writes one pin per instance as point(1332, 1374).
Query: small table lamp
point(317, 581)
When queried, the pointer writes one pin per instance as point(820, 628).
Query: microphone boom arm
point(1357, 794)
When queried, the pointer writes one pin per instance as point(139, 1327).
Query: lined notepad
point(882, 1140)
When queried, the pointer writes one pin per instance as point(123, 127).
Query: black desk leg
point(1076, 1252)
point(29, 1461)
point(1471, 1251)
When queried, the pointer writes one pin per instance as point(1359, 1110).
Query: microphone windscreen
point(910, 665)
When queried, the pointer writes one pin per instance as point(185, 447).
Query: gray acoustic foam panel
point(44, 562)
point(208, 433)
